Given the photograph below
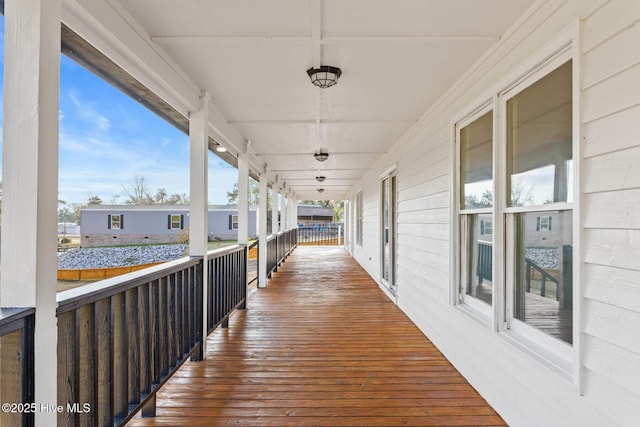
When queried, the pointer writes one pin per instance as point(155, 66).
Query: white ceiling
point(251, 56)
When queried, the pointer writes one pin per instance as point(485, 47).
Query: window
point(475, 148)
point(520, 191)
point(176, 222)
point(233, 222)
point(486, 228)
point(115, 222)
point(388, 212)
point(359, 218)
point(543, 223)
point(539, 148)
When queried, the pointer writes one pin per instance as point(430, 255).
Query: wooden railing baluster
point(121, 339)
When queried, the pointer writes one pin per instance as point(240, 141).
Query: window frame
point(479, 309)
point(234, 222)
point(390, 284)
point(559, 356)
point(175, 224)
point(358, 217)
point(113, 220)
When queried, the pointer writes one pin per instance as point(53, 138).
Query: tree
point(76, 208)
point(485, 201)
point(94, 200)
point(336, 205)
point(254, 194)
point(139, 193)
point(161, 195)
point(178, 199)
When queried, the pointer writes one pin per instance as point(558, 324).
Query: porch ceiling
point(397, 59)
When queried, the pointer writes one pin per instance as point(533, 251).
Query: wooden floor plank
point(321, 346)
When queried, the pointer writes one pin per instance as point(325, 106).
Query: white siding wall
point(523, 390)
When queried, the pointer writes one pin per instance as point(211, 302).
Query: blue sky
point(106, 139)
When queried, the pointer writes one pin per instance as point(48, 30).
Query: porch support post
point(30, 179)
point(198, 201)
point(294, 211)
point(262, 235)
point(284, 205)
point(243, 199)
point(275, 224)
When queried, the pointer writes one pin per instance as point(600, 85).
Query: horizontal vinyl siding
point(524, 390)
point(611, 210)
point(621, 292)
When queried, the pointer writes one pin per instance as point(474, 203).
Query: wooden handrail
point(530, 264)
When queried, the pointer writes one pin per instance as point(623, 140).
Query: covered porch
point(423, 86)
point(321, 345)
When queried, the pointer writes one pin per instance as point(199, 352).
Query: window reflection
point(478, 233)
point(539, 135)
point(476, 163)
point(544, 278)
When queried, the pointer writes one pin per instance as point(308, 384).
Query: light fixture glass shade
point(320, 190)
point(325, 76)
point(321, 157)
point(320, 178)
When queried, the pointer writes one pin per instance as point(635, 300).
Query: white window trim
point(359, 217)
point(119, 221)
point(390, 287)
point(477, 309)
point(179, 221)
point(538, 342)
point(561, 357)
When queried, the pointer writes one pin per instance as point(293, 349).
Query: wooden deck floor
point(320, 346)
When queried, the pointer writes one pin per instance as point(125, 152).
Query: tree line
point(138, 193)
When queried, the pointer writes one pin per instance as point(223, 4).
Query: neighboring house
point(105, 225)
point(311, 215)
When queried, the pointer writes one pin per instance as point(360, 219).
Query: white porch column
point(284, 205)
point(198, 198)
point(348, 221)
point(294, 212)
point(30, 179)
point(275, 193)
point(243, 199)
point(262, 236)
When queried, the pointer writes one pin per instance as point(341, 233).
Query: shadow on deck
point(321, 346)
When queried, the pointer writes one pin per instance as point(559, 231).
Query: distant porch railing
point(279, 246)
point(17, 366)
point(320, 236)
point(121, 339)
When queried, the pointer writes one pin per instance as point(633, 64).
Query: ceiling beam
point(334, 153)
point(324, 170)
point(315, 22)
point(324, 122)
point(427, 38)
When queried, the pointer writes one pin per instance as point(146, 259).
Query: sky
point(107, 139)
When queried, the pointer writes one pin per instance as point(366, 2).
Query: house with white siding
point(488, 152)
point(109, 225)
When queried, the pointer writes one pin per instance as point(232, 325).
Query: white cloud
point(86, 111)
